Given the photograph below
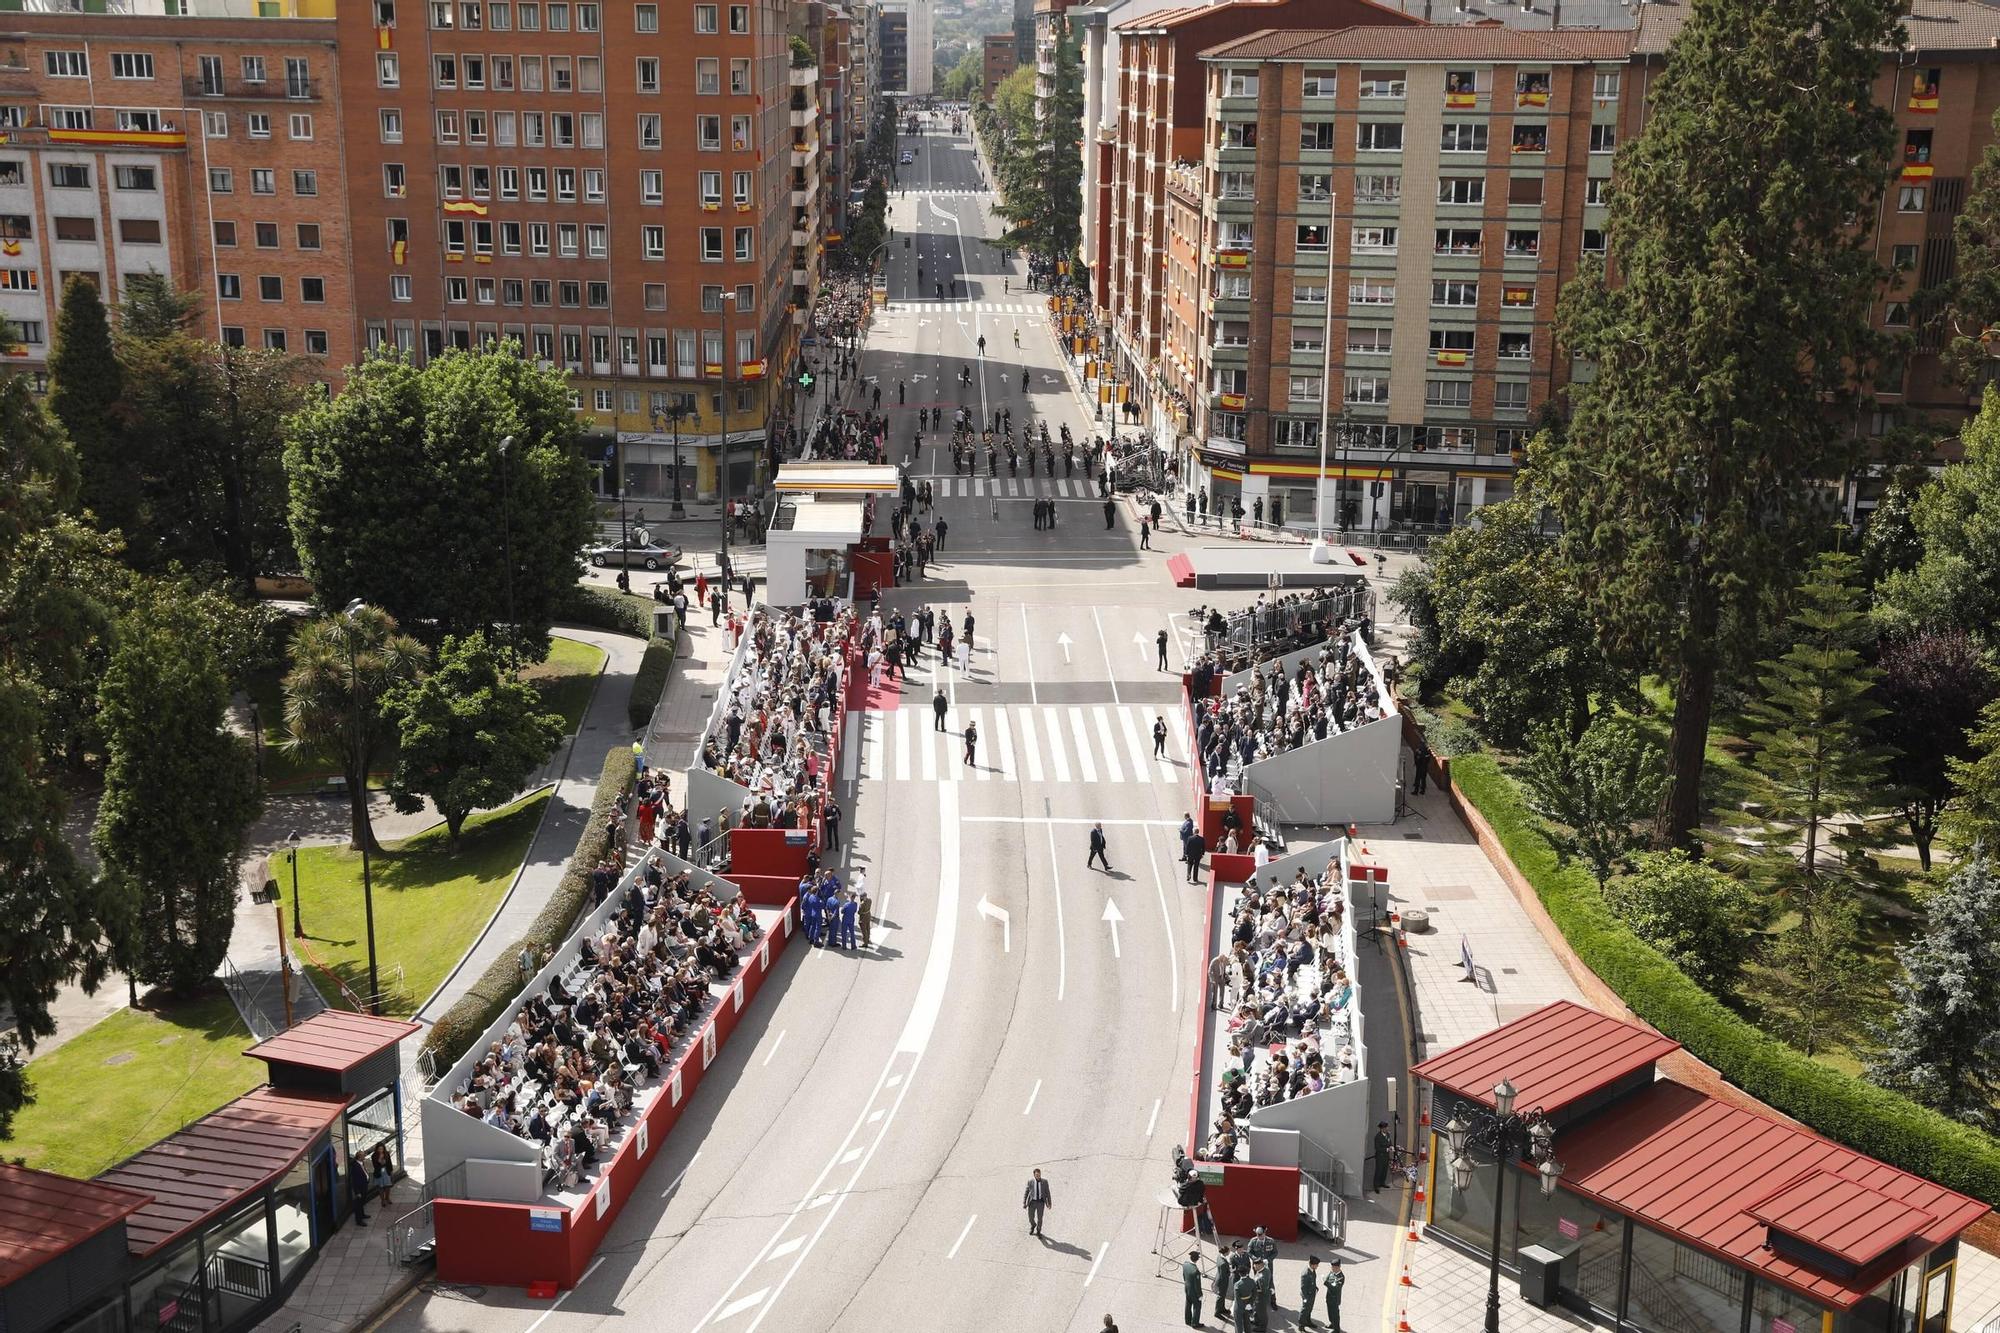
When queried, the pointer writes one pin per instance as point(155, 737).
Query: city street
point(863, 1151)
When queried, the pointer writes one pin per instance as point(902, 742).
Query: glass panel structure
point(1775, 1310)
point(1675, 1289)
point(291, 1216)
point(239, 1264)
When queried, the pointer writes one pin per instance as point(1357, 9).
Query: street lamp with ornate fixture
point(1498, 1131)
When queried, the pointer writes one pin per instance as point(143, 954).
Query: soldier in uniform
point(1308, 1291)
point(1383, 1148)
point(1191, 1290)
point(1335, 1280)
point(1245, 1292)
point(1264, 1250)
point(1220, 1285)
point(1260, 1317)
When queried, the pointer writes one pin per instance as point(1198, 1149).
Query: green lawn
point(133, 1078)
point(429, 903)
point(567, 677)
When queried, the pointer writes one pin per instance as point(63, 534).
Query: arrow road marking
point(1063, 642)
point(992, 913)
point(1113, 916)
point(1139, 637)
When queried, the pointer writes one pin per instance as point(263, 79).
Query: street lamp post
point(361, 767)
point(1499, 1131)
point(507, 540)
point(671, 416)
point(1322, 554)
point(292, 846)
point(722, 561)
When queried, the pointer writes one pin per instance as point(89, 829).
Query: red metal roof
point(1482, 43)
point(44, 1215)
point(1714, 1175)
point(1842, 1217)
point(1559, 1054)
point(334, 1040)
point(219, 1160)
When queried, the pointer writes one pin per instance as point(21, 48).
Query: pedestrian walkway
point(1014, 488)
point(1091, 743)
point(1023, 307)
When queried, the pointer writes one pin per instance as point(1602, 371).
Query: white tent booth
point(817, 544)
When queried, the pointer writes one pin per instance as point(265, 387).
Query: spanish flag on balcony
point(10, 248)
point(1916, 171)
point(471, 206)
point(382, 39)
point(1461, 101)
point(1231, 402)
point(454, 258)
point(713, 368)
point(1924, 92)
point(1232, 259)
point(482, 259)
point(1528, 98)
point(711, 205)
point(1449, 358)
point(753, 370)
point(400, 253)
point(742, 207)
point(1517, 296)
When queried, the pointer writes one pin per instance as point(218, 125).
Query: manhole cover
point(123, 1057)
point(168, 1040)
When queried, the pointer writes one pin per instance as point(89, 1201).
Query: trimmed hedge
point(601, 608)
point(1849, 1110)
point(453, 1034)
point(649, 682)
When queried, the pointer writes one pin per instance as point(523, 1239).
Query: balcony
point(241, 90)
point(804, 76)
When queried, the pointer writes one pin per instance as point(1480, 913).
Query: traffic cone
point(1403, 1321)
point(1413, 1236)
point(1404, 1281)
point(1418, 1197)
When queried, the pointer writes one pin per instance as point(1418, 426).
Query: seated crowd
point(1274, 712)
point(1283, 982)
point(772, 737)
point(1271, 627)
point(565, 1073)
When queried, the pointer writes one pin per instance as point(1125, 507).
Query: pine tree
point(1943, 1048)
point(1802, 827)
point(86, 387)
point(1736, 304)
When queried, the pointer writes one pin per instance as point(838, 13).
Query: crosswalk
point(966, 488)
point(976, 307)
point(955, 194)
point(1085, 743)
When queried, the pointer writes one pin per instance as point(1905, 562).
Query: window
point(1377, 189)
point(711, 245)
point(1314, 188)
point(1367, 389)
point(1510, 396)
point(1365, 291)
point(1368, 342)
point(67, 229)
point(215, 124)
point(1308, 338)
point(1524, 190)
point(646, 18)
point(444, 71)
point(144, 122)
point(558, 18)
point(1509, 440)
point(743, 241)
point(1461, 189)
point(1226, 425)
point(271, 288)
point(305, 184)
point(1523, 243)
point(1517, 346)
point(1378, 136)
point(739, 20)
point(1519, 296)
point(274, 340)
point(705, 18)
point(1382, 83)
point(1456, 241)
point(22, 280)
point(1910, 198)
point(267, 235)
point(1374, 240)
point(263, 180)
point(1317, 83)
point(69, 117)
point(135, 178)
point(739, 132)
point(1239, 134)
point(1454, 292)
point(399, 287)
point(224, 232)
point(652, 187)
point(259, 125)
point(1447, 393)
point(1593, 241)
point(308, 235)
point(1316, 136)
point(388, 70)
point(1604, 85)
point(531, 18)
point(1597, 190)
point(1532, 138)
point(740, 183)
point(1239, 83)
point(139, 231)
point(739, 78)
point(30, 331)
point(131, 65)
point(1231, 286)
point(707, 132)
point(1463, 136)
point(1603, 138)
point(594, 243)
point(312, 290)
point(316, 342)
point(298, 78)
point(1307, 388)
point(1452, 340)
point(229, 286)
point(1897, 315)
point(1312, 236)
point(1903, 257)
point(76, 176)
point(710, 186)
point(66, 64)
point(1308, 293)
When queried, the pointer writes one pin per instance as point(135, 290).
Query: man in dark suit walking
point(1193, 848)
point(1037, 1199)
point(938, 706)
point(1097, 846)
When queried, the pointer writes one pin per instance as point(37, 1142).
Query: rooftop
point(43, 1216)
point(1485, 43)
point(334, 1041)
point(1557, 1055)
point(220, 1159)
point(1933, 25)
point(847, 478)
point(1167, 20)
point(1719, 1178)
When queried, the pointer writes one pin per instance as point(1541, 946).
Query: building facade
point(892, 26)
point(998, 51)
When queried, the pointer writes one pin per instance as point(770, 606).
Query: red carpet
point(891, 694)
point(1182, 569)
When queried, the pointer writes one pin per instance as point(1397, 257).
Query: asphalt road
point(857, 1157)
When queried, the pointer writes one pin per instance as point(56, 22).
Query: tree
point(1943, 1047)
point(1044, 181)
point(1890, 543)
point(966, 77)
point(1014, 102)
point(16, 1088)
point(1504, 624)
point(1705, 921)
point(469, 733)
point(179, 788)
point(1971, 820)
point(1931, 690)
point(401, 494)
point(1686, 483)
point(86, 388)
point(1972, 296)
point(1594, 788)
point(1816, 973)
point(1955, 583)
point(1803, 827)
point(56, 921)
point(342, 668)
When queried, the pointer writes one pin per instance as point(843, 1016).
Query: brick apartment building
point(207, 150)
point(998, 51)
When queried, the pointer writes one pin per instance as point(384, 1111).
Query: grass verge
point(567, 678)
point(430, 903)
point(132, 1078)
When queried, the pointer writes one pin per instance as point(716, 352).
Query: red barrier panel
point(767, 890)
point(768, 851)
point(1211, 815)
point(498, 1244)
point(1256, 1196)
point(1230, 869)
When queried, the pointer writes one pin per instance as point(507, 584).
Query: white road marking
point(850, 762)
point(1056, 755)
point(775, 1045)
point(595, 1264)
point(850, 1155)
point(963, 1233)
point(902, 745)
point(1082, 745)
point(675, 1183)
point(1154, 1118)
point(1113, 773)
point(1058, 819)
point(1028, 647)
point(1112, 916)
point(1134, 746)
point(1029, 752)
point(737, 1307)
point(1033, 1093)
point(878, 744)
point(1167, 922)
point(1095, 1262)
point(788, 1247)
point(927, 750)
point(1003, 744)
point(1062, 941)
point(993, 912)
point(1110, 671)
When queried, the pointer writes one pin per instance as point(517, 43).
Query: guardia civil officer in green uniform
point(1223, 1281)
point(1191, 1288)
point(1335, 1280)
point(1261, 1317)
point(1308, 1291)
point(1245, 1292)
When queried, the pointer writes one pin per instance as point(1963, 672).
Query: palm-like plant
point(342, 665)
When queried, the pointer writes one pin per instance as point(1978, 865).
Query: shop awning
point(838, 478)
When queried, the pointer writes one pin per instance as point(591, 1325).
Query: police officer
point(1221, 1282)
point(1308, 1290)
point(1191, 1290)
point(1335, 1280)
point(1260, 1272)
point(1264, 1258)
point(1382, 1148)
point(1244, 1289)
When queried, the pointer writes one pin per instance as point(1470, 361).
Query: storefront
point(1659, 1209)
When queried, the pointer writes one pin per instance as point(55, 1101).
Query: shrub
point(455, 1031)
point(601, 608)
point(1702, 919)
point(649, 682)
point(1447, 737)
point(1868, 1119)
